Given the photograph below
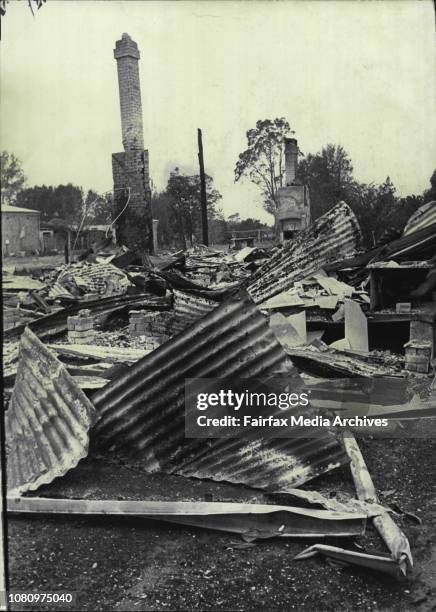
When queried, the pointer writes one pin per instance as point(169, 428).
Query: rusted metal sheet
point(47, 421)
point(142, 411)
point(423, 217)
point(334, 236)
point(252, 521)
point(188, 308)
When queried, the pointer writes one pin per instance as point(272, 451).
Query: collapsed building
point(120, 339)
point(97, 353)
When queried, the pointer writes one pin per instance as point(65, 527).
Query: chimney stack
point(291, 160)
point(130, 168)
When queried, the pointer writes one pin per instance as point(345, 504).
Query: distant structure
point(130, 169)
point(20, 231)
point(293, 210)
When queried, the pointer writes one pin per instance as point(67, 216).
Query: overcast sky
point(359, 74)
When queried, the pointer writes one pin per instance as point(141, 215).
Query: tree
point(263, 160)
point(185, 192)
point(64, 202)
point(430, 194)
point(375, 207)
point(178, 208)
point(31, 3)
point(329, 176)
point(161, 210)
point(98, 208)
point(218, 228)
point(238, 224)
point(12, 177)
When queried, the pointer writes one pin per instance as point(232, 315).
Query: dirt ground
point(11, 263)
point(136, 564)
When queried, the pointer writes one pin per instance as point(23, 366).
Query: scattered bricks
point(150, 343)
point(141, 323)
point(418, 356)
point(422, 330)
point(81, 328)
point(81, 337)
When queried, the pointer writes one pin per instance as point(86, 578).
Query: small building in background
point(54, 236)
point(58, 233)
point(20, 231)
point(293, 209)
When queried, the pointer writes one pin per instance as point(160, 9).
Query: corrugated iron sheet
point(47, 421)
point(142, 411)
point(334, 236)
point(188, 308)
point(418, 245)
point(423, 217)
point(272, 465)
point(93, 277)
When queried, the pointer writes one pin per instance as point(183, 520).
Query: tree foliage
point(31, 4)
point(11, 176)
point(329, 176)
point(178, 209)
point(430, 194)
point(64, 202)
point(263, 160)
point(236, 223)
point(98, 208)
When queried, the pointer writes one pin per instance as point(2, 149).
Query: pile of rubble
point(99, 352)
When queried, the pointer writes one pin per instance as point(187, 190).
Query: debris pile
point(99, 351)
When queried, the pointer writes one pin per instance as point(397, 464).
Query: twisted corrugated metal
point(334, 236)
point(272, 465)
point(423, 217)
point(188, 308)
point(142, 412)
point(47, 421)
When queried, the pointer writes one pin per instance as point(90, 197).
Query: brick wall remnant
point(81, 328)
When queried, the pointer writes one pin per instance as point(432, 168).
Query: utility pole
point(203, 197)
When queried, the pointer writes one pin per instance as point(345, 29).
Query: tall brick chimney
point(130, 169)
point(291, 160)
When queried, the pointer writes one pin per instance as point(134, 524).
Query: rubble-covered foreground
point(121, 336)
point(123, 564)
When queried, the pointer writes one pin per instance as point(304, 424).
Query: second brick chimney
point(291, 160)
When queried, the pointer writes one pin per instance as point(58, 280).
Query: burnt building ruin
point(130, 169)
point(293, 210)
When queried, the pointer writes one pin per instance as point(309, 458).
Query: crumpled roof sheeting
point(142, 412)
point(423, 217)
point(273, 465)
point(47, 422)
point(418, 245)
point(333, 236)
point(188, 308)
point(93, 276)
